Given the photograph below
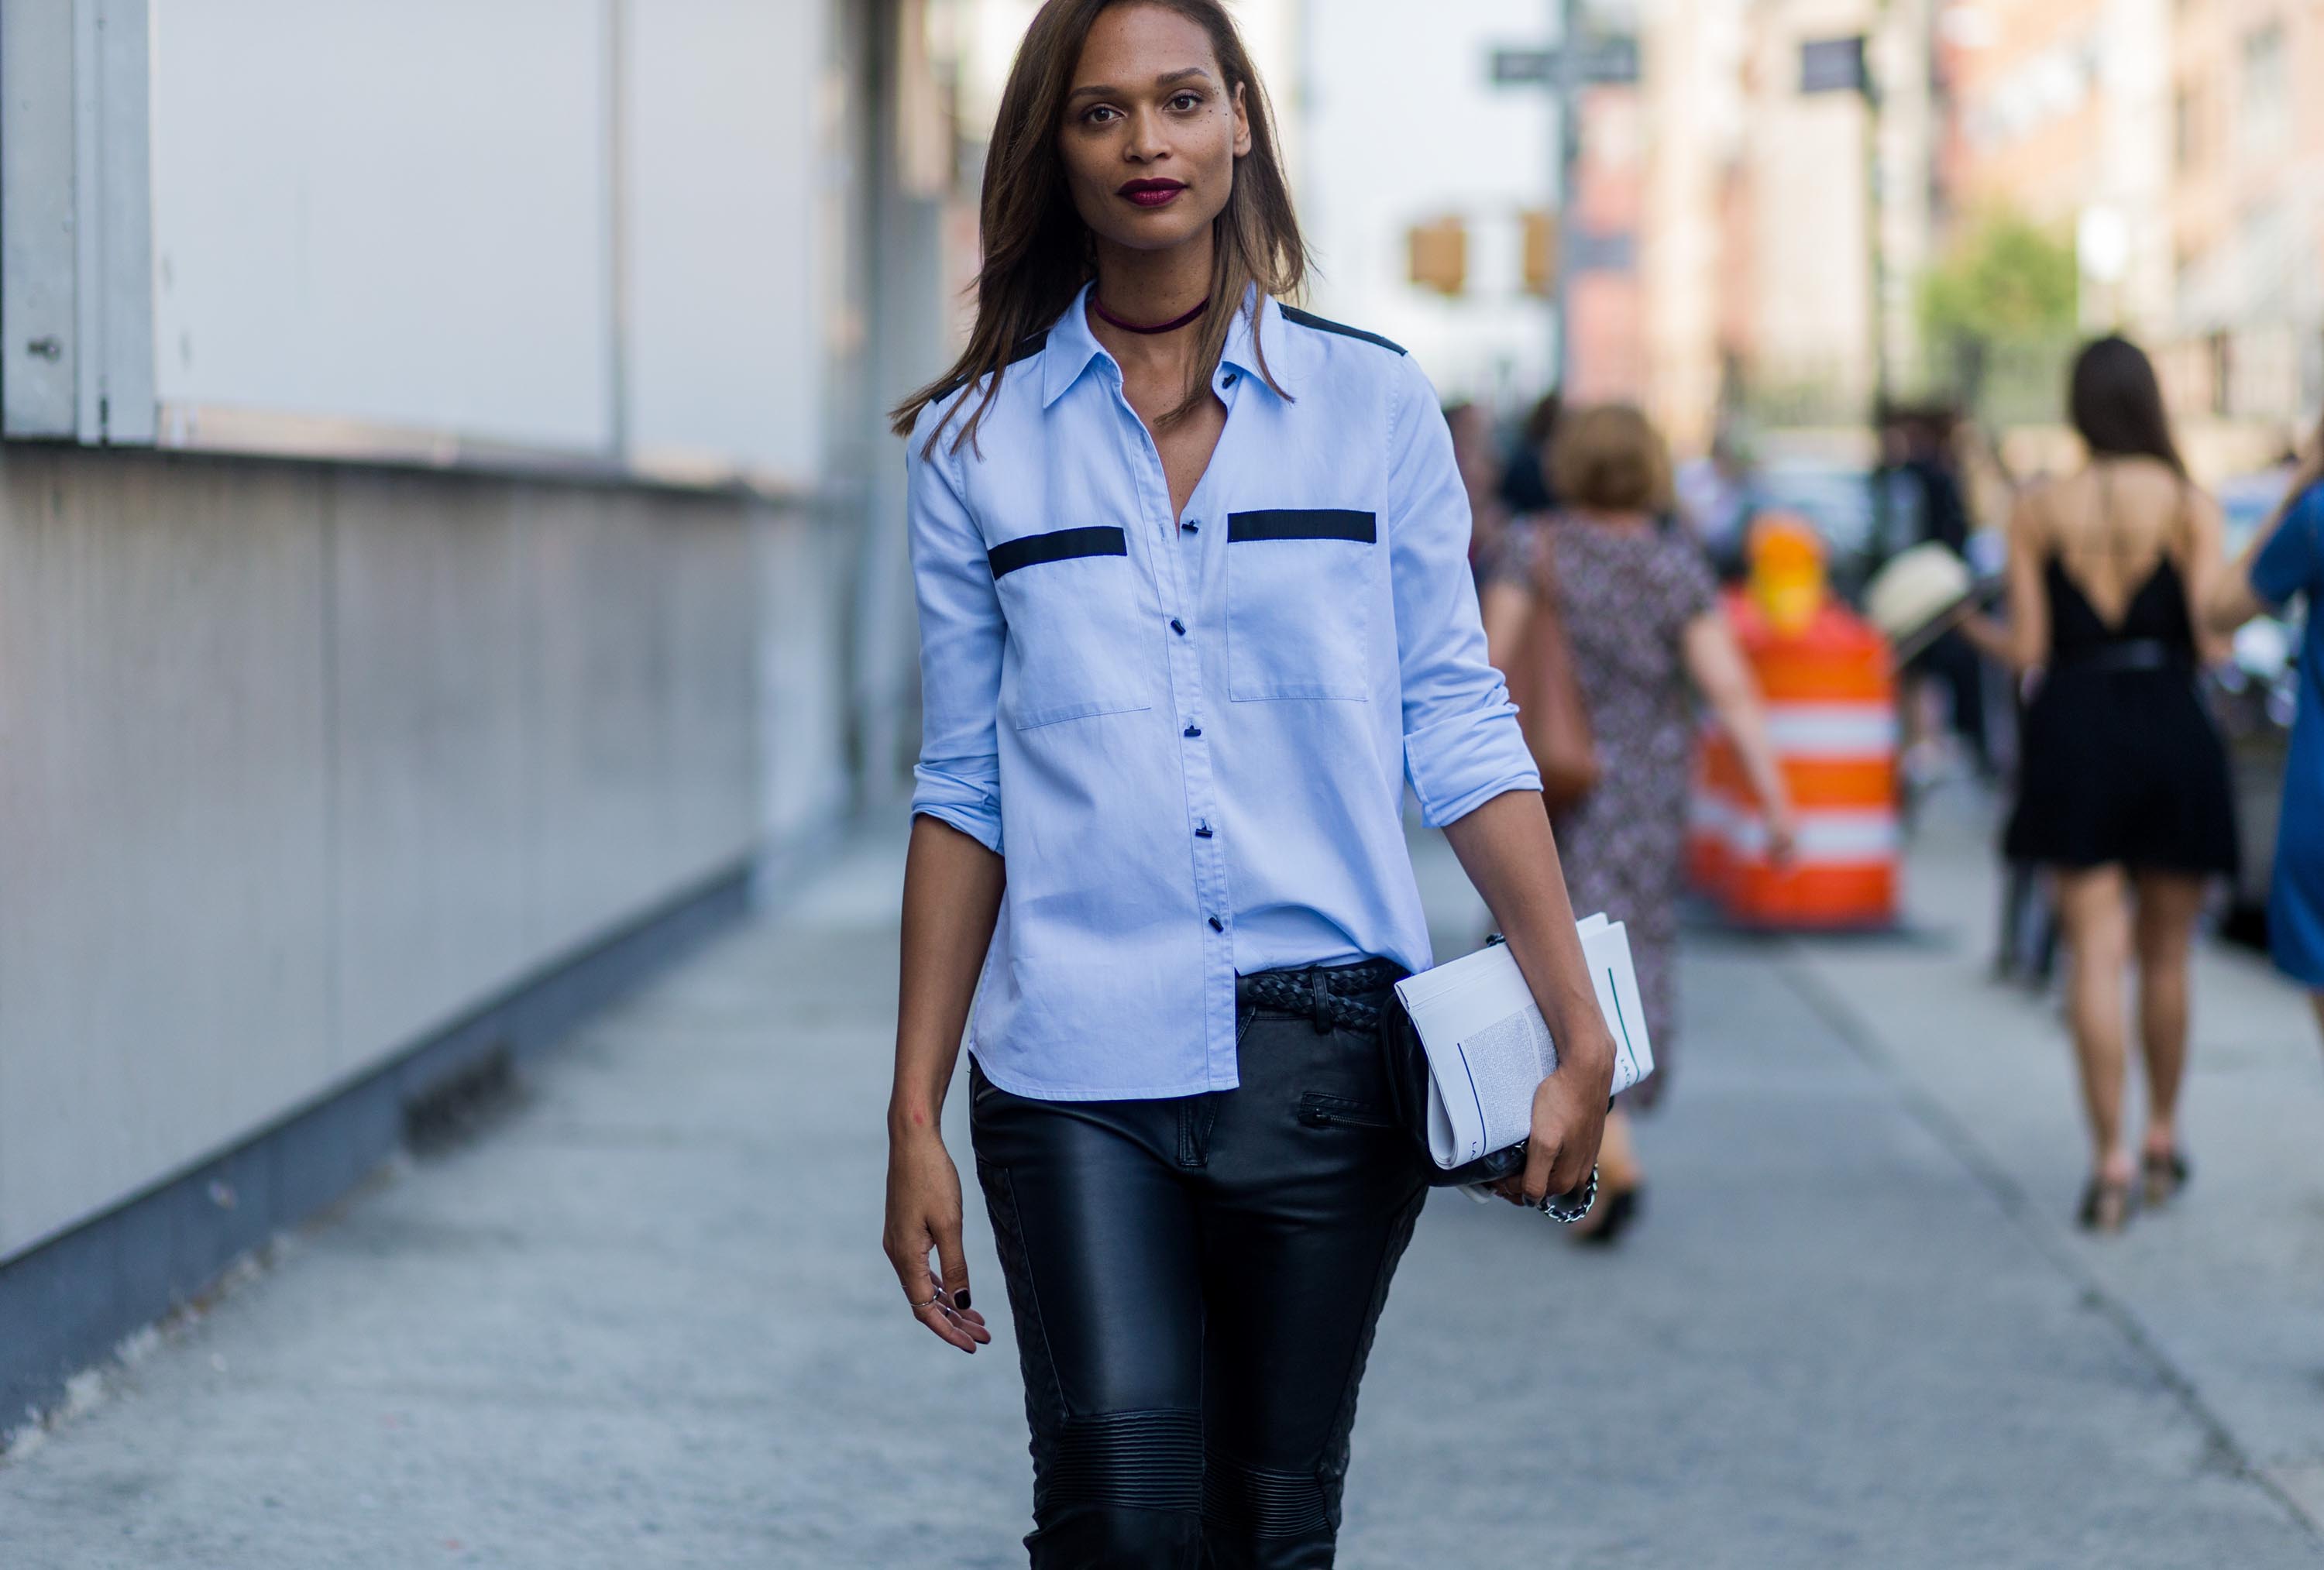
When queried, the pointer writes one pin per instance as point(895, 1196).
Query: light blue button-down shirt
point(1189, 737)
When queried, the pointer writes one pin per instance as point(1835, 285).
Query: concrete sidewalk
point(2224, 1292)
point(644, 1321)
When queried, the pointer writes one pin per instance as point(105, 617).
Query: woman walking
point(2284, 560)
point(1193, 608)
point(2122, 780)
point(1641, 614)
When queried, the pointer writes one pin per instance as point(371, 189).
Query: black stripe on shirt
point(1309, 319)
point(1057, 546)
point(1303, 523)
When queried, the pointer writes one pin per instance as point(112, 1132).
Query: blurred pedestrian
point(1919, 470)
point(1194, 607)
point(1526, 484)
point(1714, 498)
point(2123, 788)
point(1477, 450)
point(1642, 618)
point(2284, 560)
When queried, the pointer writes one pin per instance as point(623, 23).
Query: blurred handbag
point(1547, 690)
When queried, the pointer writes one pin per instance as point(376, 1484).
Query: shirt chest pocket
point(1299, 595)
point(1082, 642)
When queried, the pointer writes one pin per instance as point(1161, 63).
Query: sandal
point(2164, 1173)
point(2106, 1205)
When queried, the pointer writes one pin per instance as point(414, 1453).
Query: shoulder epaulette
point(1309, 319)
point(1025, 350)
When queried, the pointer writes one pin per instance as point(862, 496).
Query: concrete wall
point(300, 763)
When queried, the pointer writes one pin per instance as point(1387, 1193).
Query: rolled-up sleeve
point(957, 780)
point(2288, 564)
point(1461, 744)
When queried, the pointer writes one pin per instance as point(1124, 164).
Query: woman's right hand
point(924, 1213)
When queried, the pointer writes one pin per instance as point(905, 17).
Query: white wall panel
point(391, 211)
point(712, 700)
point(40, 324)
point(164, 964)
point(600, 717)
point(725, 340)
point(298, 764)
point(430, 665)
point(802, 686)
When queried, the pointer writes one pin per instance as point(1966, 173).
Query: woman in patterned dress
point(1642, 614)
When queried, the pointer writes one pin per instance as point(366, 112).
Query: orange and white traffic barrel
point(1831, 701)
point(1825, 679)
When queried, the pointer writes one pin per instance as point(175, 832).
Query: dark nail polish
point(960, 1299)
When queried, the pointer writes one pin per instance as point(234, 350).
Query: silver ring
point(929, 1304)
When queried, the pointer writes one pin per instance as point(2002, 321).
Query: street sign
point(1833, 65)
point(1605, 62)
point(1612, 250)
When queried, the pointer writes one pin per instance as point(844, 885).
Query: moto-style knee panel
point(1133, 1460)
point(1252, 1502)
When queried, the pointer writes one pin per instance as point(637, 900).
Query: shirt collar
point(1257, 327)
point(1072, 347)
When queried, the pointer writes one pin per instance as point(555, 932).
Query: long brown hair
point(1037, 252)
point(2116, 404)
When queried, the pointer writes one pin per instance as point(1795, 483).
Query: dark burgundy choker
point(1171, 325)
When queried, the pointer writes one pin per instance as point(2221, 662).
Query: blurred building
point(448, 540)
point(2172, 142)
point(1605, 226)
point(1824, 208)
point(1779, 225)
point(2246, 215)
point(1404, 127)
point(2059, 113)
point(1697, 283)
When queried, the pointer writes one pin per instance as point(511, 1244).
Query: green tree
point(2008, 281)
point(2000, 313)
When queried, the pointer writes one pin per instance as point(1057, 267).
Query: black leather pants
point(1195, 1283)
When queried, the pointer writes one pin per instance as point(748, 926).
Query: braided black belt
point(1336, 998)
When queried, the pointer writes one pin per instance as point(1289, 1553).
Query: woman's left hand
point(1783, 835)
point(1507, 849)
point(1569, 1119)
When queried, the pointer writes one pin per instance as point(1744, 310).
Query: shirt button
point(1192, 730)
point(1227, 379)
point(1192, 525)
point(1178, 627)
point(1217, 925)
point(1203, 832)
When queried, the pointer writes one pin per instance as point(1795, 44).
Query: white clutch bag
point(1489, 1048)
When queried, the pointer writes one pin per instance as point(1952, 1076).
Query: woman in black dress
point(2123, 789)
